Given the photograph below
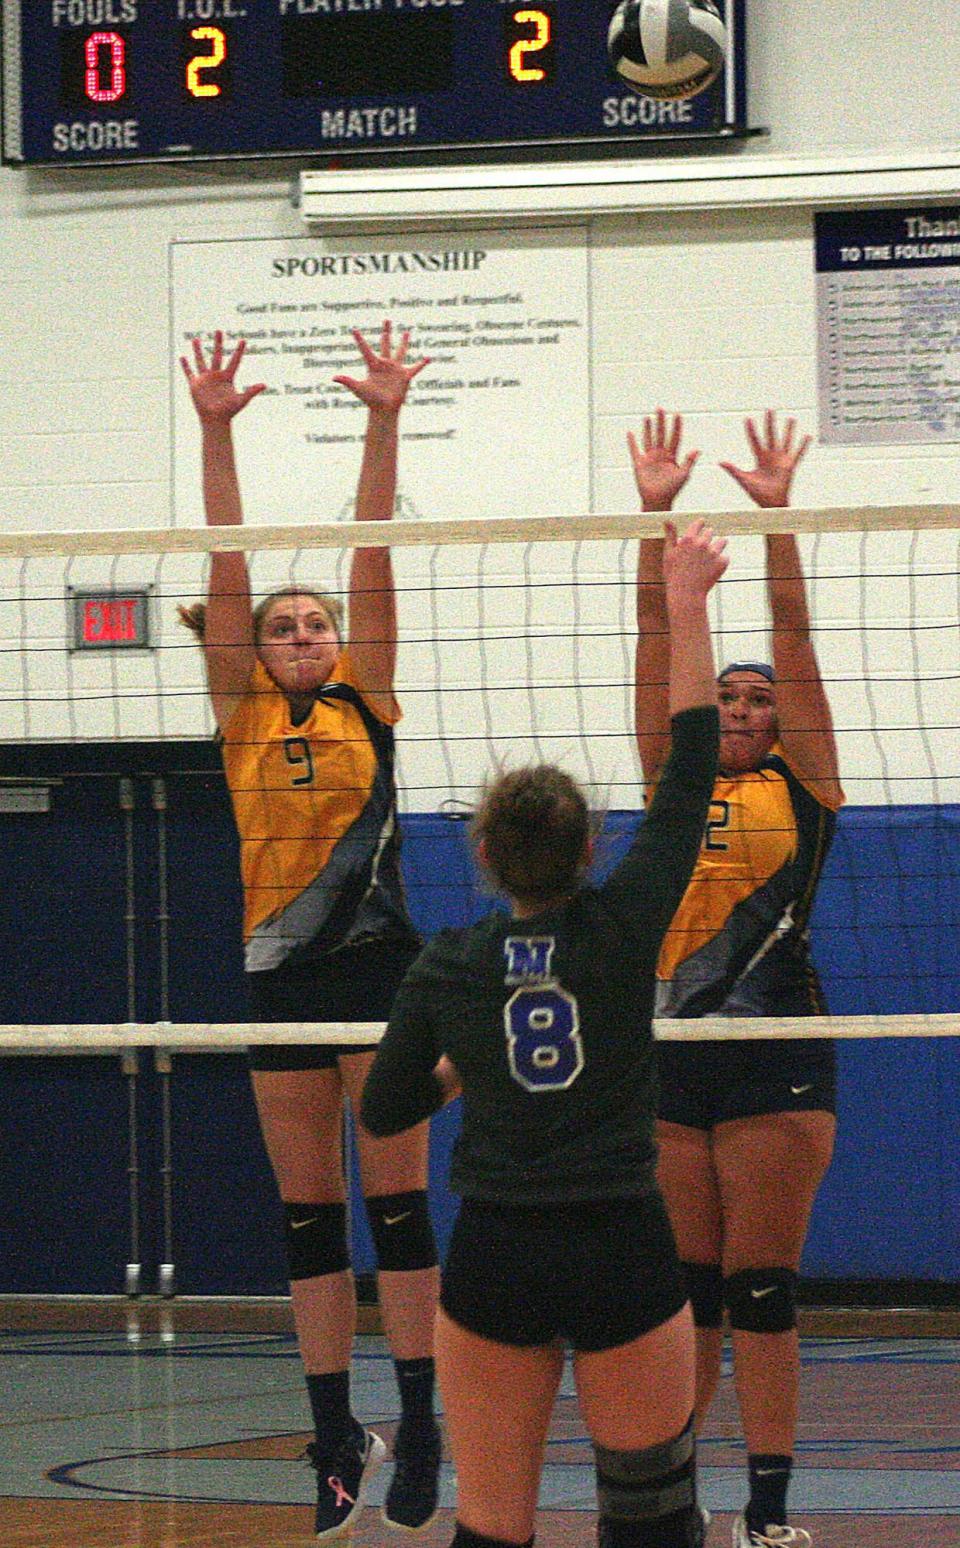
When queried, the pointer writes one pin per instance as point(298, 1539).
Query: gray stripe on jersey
point(302, 920)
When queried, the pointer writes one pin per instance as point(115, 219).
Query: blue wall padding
point(886, 939)
point(885, 931)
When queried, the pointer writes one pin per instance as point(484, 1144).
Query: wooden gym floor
point(132, 1432)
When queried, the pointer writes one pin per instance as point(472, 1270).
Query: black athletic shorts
point(592, 1275)
point(358, 983)
point(702, 1084)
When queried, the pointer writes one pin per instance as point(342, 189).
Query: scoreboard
point(90, 82)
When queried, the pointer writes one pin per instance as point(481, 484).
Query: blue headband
point(760, 667)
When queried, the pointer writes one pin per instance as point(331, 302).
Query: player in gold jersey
point(746, 1130)
point(306, 724)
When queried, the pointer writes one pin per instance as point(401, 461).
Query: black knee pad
point(316, 1237)
point(637, 1489)
point(762, 1300)
point(401, 1230)
point(704, 1283)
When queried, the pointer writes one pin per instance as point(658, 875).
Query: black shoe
point(411, 1502)
point(342, 1480)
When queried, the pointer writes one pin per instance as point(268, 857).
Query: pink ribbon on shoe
point(343, 1498)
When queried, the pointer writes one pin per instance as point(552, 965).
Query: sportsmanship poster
point(497, 425)
point(888, 325)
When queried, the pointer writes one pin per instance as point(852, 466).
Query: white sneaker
point(770, 1537)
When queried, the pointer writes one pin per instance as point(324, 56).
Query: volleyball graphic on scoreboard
point(668, 49)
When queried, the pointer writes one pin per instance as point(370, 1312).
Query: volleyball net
point(516, 645)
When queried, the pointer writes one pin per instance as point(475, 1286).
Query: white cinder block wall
point(709, 314)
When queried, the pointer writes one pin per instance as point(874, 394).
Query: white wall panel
point(710, 313)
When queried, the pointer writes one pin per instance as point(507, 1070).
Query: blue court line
point(847, 1445)
point(819, 1491)
point(283, 1345)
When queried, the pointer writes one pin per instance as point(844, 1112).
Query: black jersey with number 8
point(548, 1019)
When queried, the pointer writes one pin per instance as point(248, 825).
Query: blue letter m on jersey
point(528, 957)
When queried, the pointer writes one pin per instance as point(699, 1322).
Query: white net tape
point(220, 1037)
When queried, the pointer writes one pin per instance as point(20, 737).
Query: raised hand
point(213, 387)
point(388, 377)
point(692, 563)
point(658, 473)
point(768, 484)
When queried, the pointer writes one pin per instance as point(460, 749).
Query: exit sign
point(109, 620)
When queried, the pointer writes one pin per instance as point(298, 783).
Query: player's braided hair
point(535, 827)
point(194, 618)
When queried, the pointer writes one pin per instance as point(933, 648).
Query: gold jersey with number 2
point(738, 943)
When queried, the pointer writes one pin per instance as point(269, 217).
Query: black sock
point(415, 1381)
point(769, 1480)
point(680, 1530)
point(330, 1404)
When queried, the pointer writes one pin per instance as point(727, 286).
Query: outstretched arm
point(647, 886)
point(228, 635)
point(692, 565)
point(659, 475)
point(373, 614)
point(803, 710)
